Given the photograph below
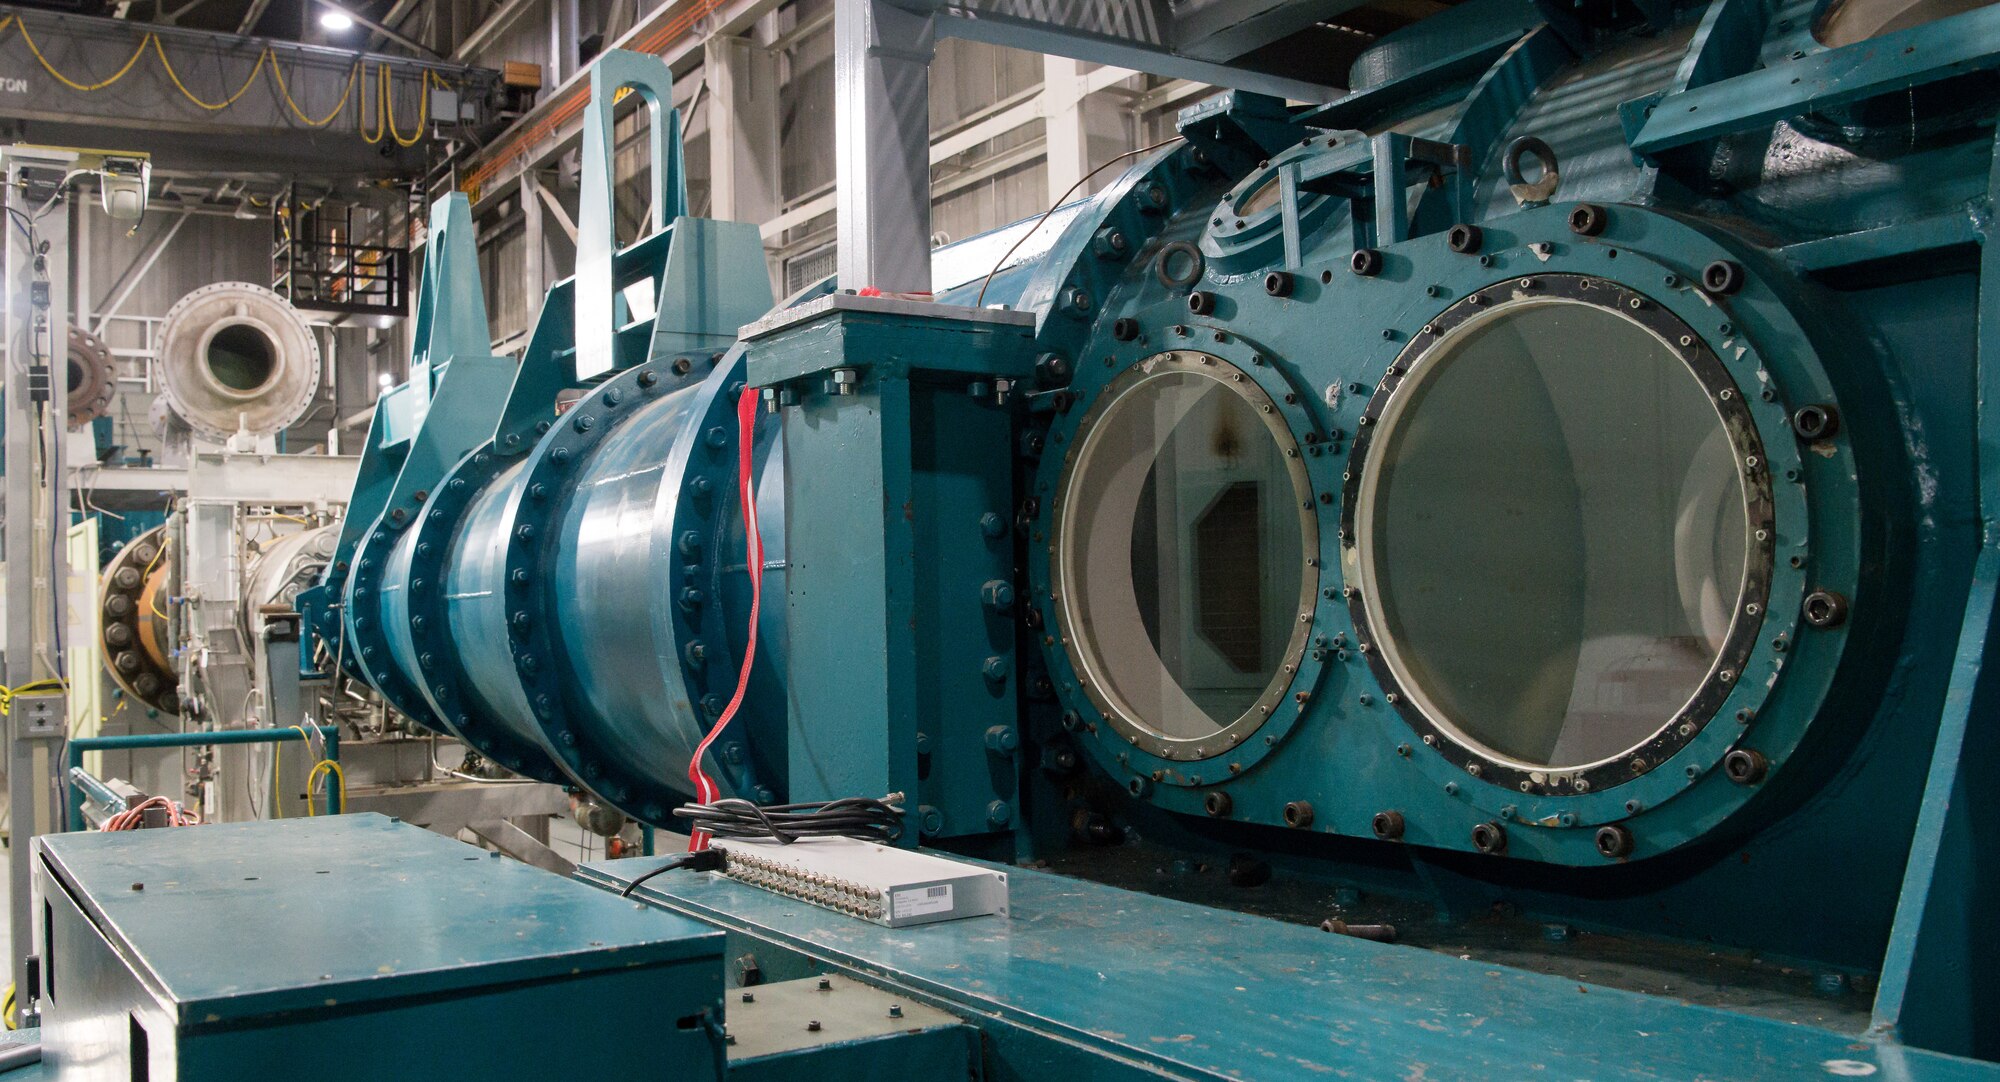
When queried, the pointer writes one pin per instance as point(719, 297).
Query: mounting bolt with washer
point(1614, 842)
point(1388, 825)
point(1745, 766)
point(1816, 421)
point(1588, 219)
point(1824, 609)
point(1722, 278)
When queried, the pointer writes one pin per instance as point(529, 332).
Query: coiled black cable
point(849, 817)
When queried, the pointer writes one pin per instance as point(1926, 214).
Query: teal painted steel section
point(1144, 984)
point(1892, 63)
point(1935, 991)
point(493, 596)
point(376, 950)
point(908, 505)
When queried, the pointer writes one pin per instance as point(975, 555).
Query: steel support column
point(882, 170)
point(1063, 94)
point(742, 130)
point(36, 518)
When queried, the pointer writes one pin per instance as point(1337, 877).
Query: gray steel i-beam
point(882, 168)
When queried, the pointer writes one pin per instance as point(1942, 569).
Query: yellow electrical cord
point(7, 1001)
point(381, 113)
point(353, 76)
point(334, 775)
point(7, 694)
point(158, 552)
point(385, 123)
point(189, 94)
point(385, 109)
point(66, 80)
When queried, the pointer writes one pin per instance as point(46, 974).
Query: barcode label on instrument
point(916, 903)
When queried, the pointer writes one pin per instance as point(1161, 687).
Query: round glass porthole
point(1561, 532)
point(1183, 552)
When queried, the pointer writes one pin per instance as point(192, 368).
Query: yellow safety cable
point(7, 695)
point(335, 775)
point(7, 1000)
point(66, 80)
point(381, 108)
point(353, 76)
point(189, 94)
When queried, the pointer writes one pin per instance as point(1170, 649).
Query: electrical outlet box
point(39, 714)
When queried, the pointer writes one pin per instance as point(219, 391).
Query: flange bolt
point(1489, 838)
point(1745, 766)
point(1388, 825)
point(1614, 842)
point(1367, 262)
point(1816, 421)
point(1824, 609)
point(1722, 278)
point(1588, 219)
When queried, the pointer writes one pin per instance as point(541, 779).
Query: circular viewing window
point(241, 357)
point(1554, 533)
point(1182, 541)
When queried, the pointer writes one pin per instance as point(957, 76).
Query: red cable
point(746, 429)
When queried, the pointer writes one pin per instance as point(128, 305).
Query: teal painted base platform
point(1088, 978)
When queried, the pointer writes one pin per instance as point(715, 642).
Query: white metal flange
point(236, 357)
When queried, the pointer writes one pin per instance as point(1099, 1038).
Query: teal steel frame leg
point(1942, 945)
point(73, 796)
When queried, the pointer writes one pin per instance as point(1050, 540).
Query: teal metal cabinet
point(356, 947)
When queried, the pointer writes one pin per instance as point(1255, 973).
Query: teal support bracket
point(450, 321)
point(898, 517)
point(1887, 64)
point(1940, 986)
point(601, 310)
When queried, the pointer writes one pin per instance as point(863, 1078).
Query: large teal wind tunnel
point(559, 579)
